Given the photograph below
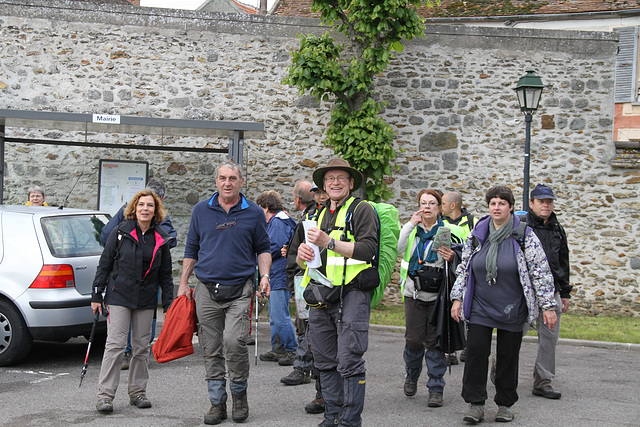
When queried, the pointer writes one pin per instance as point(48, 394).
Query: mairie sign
point(106, 118)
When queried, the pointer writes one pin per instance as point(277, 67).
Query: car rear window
point(74, 235)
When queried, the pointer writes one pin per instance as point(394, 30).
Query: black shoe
point(287, 358)
point(105, 405)
point(410, 387)
point(297, 377)
point(240, 409)
point(463, 354)
point(316, 406)
point(547, 392)
point(452, 359)
point(271, 356)
point(140, 401)
point(216, 414)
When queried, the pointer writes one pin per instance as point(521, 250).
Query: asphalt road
point(599, 387)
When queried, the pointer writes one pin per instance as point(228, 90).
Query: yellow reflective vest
point(335, 262)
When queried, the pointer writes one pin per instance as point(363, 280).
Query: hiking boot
point(240, 409)
point(316, 406)
point(504, 414)
point(410, 387)
point(463, 354)
point(216, 414)
point(474, 414)
point(547, 391)
point(140, 401)
point(287, 358)
point(297, 377)
point(452, 359)
point(435, 400)
point(125, 361)
point(270, 356)
point(105, 405)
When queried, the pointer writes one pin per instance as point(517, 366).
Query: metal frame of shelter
point(236, 132)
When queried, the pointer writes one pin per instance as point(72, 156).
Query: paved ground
point(600, 386)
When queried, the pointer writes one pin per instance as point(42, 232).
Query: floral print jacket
point(535, 276)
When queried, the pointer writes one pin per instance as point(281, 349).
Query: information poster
point(119, 181)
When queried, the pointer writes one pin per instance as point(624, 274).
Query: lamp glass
point(529, 91)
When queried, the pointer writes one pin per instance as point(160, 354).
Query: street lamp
point(529, 91)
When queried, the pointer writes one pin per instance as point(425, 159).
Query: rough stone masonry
point(449, 98)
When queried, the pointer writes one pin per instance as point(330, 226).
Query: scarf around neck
point(496, 237)
point(416, 261)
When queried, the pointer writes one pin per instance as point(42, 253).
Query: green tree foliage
point(345, 73)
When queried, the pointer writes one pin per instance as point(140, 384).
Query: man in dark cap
point(544, 223)
point(338, 333)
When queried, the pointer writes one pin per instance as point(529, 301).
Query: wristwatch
point(265, 275)
point(332, 245)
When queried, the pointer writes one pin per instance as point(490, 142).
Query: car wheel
point(15, 339)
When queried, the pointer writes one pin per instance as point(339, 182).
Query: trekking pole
point(96, 315)
point(446, 284)
point(255, 337)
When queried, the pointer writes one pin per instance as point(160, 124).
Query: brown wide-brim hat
point(338, 164)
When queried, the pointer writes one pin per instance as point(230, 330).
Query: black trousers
point(476, 365)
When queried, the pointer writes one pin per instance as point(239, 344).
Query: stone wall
point(449, 98)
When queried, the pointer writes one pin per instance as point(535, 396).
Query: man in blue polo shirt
point(226, 234)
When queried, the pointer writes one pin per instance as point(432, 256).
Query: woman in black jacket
point(134, 263)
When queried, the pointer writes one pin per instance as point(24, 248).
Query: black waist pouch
point(429, 278)
point(317, 295)
point(367, 280)
point(219, 292)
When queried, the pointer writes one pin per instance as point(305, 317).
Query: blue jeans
point(280, 320)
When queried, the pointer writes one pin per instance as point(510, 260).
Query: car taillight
point(54, 276)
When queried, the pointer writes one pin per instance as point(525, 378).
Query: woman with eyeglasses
point(502, 280)
point(422, 274)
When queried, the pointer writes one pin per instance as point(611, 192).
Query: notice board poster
point(119, 181)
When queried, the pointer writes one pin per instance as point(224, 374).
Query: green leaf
point(397, 46)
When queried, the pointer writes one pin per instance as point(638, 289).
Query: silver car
point(48, 260)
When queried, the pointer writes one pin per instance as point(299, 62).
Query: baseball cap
point(314, 188)
point(541, 191)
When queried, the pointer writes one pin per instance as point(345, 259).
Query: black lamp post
point(529, 91)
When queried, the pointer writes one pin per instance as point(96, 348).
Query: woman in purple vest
point(499, 286)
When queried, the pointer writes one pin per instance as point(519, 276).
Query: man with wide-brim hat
point(347, 236)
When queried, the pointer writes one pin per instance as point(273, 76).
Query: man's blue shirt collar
point(243, 203)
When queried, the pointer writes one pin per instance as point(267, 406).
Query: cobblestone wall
point(449, 98)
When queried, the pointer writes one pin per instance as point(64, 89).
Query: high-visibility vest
point(466, 223)
point(457, 234)
point(335, 262)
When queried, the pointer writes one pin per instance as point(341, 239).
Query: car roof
point(43, 211)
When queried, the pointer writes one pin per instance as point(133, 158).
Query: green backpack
point(387, 252)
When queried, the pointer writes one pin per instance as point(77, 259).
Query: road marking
point(42, 376)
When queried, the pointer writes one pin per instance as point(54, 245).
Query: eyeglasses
point(341, 179)
point(431, 204)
